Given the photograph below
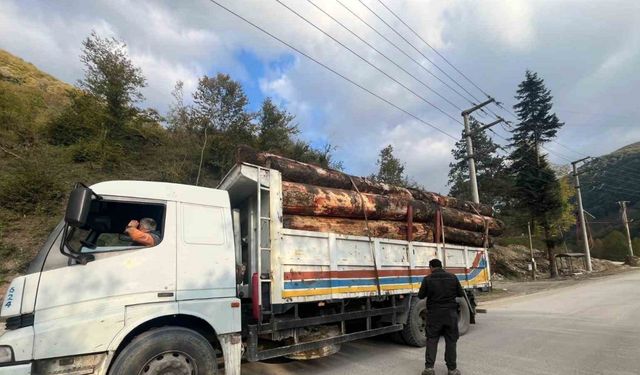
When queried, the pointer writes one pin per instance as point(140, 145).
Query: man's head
point(147, 224)
point(435, 263)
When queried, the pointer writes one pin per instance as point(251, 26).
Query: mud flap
point(231, 344)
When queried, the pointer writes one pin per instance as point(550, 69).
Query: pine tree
point(390, 168)
point(492, 176)
point(537, 187)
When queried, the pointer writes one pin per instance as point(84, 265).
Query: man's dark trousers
point(442, 322)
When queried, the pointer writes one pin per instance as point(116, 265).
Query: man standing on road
point(441, 289)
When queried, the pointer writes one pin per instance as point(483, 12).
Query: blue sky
point(587, 52)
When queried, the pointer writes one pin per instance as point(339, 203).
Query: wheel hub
point(169, 363)
point(423, 320)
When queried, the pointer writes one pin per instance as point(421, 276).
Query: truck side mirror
point(78, 206)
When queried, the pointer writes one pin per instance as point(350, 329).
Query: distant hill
point(609, 179)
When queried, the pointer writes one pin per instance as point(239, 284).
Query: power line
point(434, 50)
point(417, 49)
point(332, 70)
point(429, 45)
point(403, 52)
point(369, 63)
point(383, 55)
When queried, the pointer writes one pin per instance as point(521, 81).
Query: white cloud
point(492, 41)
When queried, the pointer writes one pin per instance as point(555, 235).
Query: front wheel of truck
point(166, 350)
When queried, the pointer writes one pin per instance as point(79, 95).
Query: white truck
point(226, 282)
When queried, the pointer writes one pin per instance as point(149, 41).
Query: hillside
point(53, 135)
point(611, 178)
point(36, 175)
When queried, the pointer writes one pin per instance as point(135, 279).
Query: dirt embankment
point(512, 262)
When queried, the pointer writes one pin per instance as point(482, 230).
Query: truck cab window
point(117, 226)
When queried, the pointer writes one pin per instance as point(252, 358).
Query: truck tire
point(166, 350)
point(414, 331)
point(464, 316)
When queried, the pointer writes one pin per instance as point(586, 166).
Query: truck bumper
point(22, 369)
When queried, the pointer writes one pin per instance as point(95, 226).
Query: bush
point(613, 246)
point(81, 120)
point(31, 189)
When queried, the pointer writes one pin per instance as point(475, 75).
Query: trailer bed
point(305, 266)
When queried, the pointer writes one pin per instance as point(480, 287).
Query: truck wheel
point(166, 350)
point(464, 316)
point(414, 332)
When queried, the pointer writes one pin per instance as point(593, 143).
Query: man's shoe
point(455, 372)
point(429, 371)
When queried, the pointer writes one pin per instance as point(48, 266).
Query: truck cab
point(91, 290)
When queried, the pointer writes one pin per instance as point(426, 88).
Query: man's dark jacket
point(440, 289)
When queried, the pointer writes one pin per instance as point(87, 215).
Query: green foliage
point(537, 188)
point(635, 243)
point(220, 105)
point(275, 128)
point(33, 189)
point(613, 246)
point(111, 76)
point(390, 168)
point(494, 181)
point(79, 121)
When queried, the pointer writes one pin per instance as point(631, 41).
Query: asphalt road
point(588, 328)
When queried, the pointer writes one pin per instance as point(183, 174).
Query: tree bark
point(395, 230)
point(308, 200)
point(296, 171)
point(300, 172)
point(446, 201)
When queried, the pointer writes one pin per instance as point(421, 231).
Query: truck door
point(80, 308)
point(206, 257)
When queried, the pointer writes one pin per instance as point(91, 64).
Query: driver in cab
point(143, 233)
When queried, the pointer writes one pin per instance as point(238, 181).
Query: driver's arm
point(138, 236)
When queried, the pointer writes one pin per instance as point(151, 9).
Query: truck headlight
point(6, 354)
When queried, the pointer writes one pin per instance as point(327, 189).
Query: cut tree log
point(446, 201)
point(305, 173)
point(309, 200)
point(395, 230)
point(296, 171)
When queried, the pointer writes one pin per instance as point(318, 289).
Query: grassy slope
point(28, 99)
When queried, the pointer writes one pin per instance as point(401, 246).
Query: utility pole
point(625, 221)
point(467, 132)
point(583, 224)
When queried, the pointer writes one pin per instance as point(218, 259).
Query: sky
point(588, 53)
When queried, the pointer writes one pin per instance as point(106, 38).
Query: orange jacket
point(140, 237)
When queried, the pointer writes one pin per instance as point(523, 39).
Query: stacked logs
point(325, 200)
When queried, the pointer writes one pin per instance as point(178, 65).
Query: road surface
point(588, 328)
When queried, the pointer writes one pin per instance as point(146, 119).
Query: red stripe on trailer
point(351, 274)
